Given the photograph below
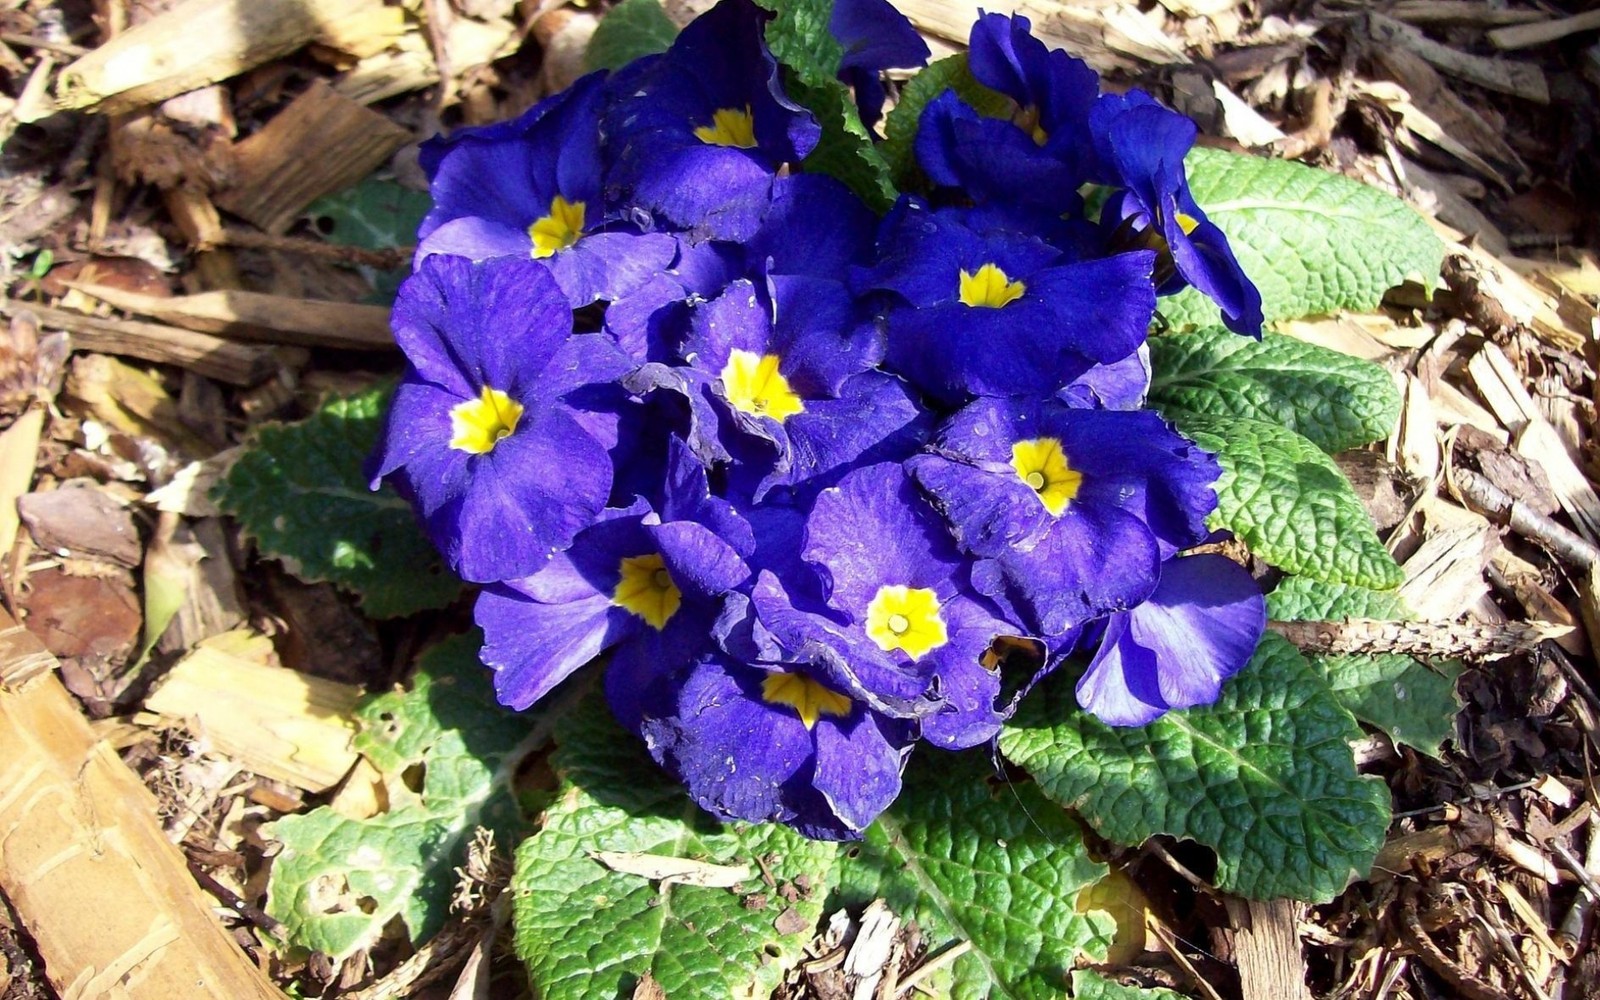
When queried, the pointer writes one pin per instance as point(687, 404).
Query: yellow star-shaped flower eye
point(754, 385)
point(1042, 464)
point(729, 127)
point(906, 618)
point(810, 700)
point(558, 230)
point(646, 589)
point(477, 425)
point(989, 288)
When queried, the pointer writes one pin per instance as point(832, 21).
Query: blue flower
point(998, 314)
point(1070, 510)
point(481, 435)
point(875, 37)
point(1140, 146)
point(1200, 627)
point(698, 133)
point(531, 188)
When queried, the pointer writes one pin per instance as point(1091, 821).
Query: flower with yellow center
point(646, 589)
point(1187, 223)
point(754, 385)
point(989, 288)
point(906, 618)
point(477, 425)
point(810, 700)
point(729, 127)
point(559, 229)
point(1042, 464)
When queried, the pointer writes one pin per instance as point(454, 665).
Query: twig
point(1483, 496)
point(1430, 640)
point(384, 260)
point(1412, 932)
point(227, 897)
point(35, 42)
point(933, 965)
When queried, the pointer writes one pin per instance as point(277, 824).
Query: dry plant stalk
point(108, 900)
point(1432, 640)
point(261, 317)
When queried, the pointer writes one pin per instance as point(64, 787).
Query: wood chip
point(1109, 37)
point(1445, 574)
point(1263, 939)
point(1524, 36)
point(82, 521)
point(322, 142)
point(669, 870)
point(195, 43)
point(108, 901)
point(256, 316)
point(1519, 79)
point(277, 722)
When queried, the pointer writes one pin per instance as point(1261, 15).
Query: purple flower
point(481, 434)
point(896, 585)
point(646, 585)
point(1140, 146)
point(996, 314)
point(698, 133)
point(1175, 650)
point(531, 188)
point(1053, 91)
point(1070, 510)
point(992, 161)
point(875, 37)
point(776, 743)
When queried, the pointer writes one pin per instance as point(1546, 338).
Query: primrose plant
point(831, 445)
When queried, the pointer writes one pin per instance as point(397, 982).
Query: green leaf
point(630, 30)
point(1334, 400)
point(585, 931)
point(1312, 241)
point(375, 214)
point(845, 151)
point(1088, 984)
point(339, 881)
point(1264, 777)
point(800, 39)
point(1290, 503)
point(301, 492)
point(992, 863)
point(1413, 702)
point(900, 126)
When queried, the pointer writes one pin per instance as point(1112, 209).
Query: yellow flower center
point(729, 127)
point(1027, 119)
point(558, 230)
point(646, 589)
point(1187, 223)
point(754, 385)
point(478, 424)
point(810, 700)
point(1042, 464)
point(906, 618)
point(990, 288)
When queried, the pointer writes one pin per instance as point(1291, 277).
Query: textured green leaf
point(1413, 702)
point(900, 126)
point(630, 30)
point(1334, 400)
point(375, 214)
point(301, 492)
point(1290, 503)
point(800, 39)
point(996, 864)
point(339, 881)
point(1312, 241)
point(1088, 984)
point(586, 931)
point(1264, 777)
point(845, 150)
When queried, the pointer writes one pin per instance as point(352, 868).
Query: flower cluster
point(806, 473)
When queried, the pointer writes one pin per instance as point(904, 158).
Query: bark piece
point(213, 357)
point(107, 899)
point(1524, 36)
point(320, 143)
point(1519, 79)
point(92, 624)
point(196, 43)
point(258, 316)
point(1263, 939)
point(276, 722)
point(83, 521)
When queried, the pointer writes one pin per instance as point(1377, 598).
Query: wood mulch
point(165, 290)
